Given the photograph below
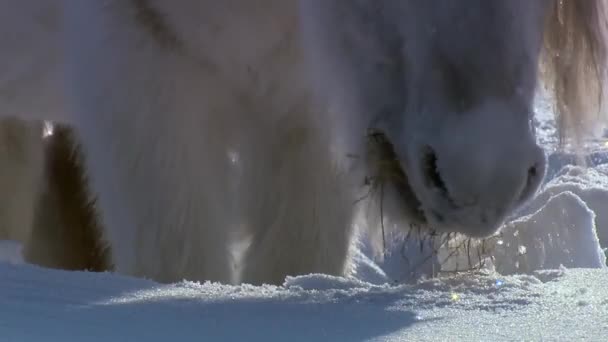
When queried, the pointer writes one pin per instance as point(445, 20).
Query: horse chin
point(476, 230)
point(421, 215)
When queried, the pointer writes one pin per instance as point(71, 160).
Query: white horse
point(206, 123)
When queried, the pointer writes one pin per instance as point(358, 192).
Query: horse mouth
point(433, 208)
point(390, 171)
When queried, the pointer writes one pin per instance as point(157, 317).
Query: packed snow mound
point(566, 224)
point(561, 233)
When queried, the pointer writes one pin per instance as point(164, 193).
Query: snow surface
point(44, 305)
point(542, 278)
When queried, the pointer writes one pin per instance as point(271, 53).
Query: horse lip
point(483, 225)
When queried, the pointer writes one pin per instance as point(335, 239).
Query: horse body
point(207, 123)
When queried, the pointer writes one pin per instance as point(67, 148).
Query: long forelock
point(574, 65)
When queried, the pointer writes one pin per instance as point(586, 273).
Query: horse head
point(445, 90)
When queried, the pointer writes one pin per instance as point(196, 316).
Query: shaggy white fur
point(20, 175)
point(204, 124)
point(31, 62)
point(232, 144)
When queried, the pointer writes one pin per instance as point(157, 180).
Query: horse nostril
point(532, 172)
point(430, 171)
point(532, 182)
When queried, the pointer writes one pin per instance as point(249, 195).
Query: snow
point(45, 305)
point(542, 278)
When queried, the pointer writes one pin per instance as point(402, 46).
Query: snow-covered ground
point(543, 278)
point(45, 305)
